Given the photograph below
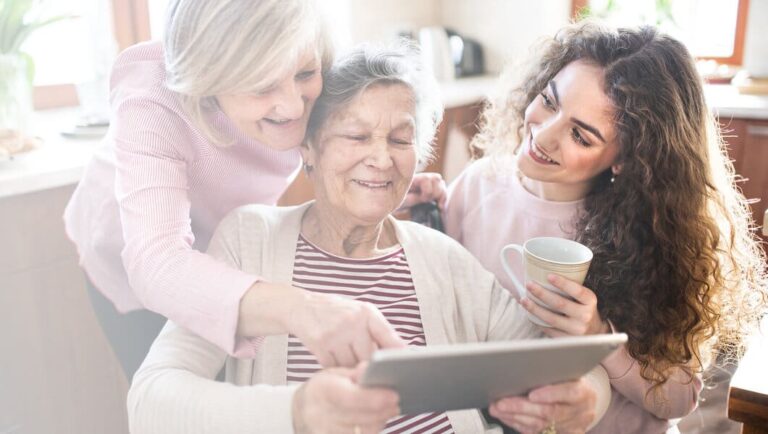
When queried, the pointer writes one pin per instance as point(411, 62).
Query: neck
point(555, 192)
point(338, 235)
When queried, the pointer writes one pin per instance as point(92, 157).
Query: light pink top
point(150, 199)
point(488, 209)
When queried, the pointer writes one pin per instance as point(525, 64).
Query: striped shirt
point(385, 282)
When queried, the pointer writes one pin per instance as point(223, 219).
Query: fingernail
point(552, 277)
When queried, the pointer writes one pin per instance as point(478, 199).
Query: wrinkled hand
point(426, 187)
point(341, 332)
point(333, 402)
point(571, 406)
point(576, 316)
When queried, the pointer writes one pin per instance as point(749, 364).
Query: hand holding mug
point(554, 270)
point(573, 314)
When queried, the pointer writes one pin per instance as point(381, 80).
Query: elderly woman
point(369, 129)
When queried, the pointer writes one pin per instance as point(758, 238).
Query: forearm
point(598, 379)
point(675, 398)
point(174, 392)
point(269, 309)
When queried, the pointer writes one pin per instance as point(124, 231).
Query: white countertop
point(60, 161)
point(57, 162)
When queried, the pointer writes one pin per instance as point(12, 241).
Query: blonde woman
point(202, 123)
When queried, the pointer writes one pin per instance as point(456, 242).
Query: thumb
point(358, 371)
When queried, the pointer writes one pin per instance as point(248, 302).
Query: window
point(79, 51)
point(711, 29)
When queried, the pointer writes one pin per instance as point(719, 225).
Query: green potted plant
point(18, 20)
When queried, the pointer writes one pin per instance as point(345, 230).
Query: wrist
point(268, 309)
point(297, 407)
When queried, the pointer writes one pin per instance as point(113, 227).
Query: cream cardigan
point(174, 391)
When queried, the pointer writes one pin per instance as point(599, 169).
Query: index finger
point(383, 334)
point(580, 293)
point(561, 392)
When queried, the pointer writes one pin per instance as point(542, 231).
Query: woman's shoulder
point(486, 174)
point(139, 73)
point(261, 217)
point(428, 241)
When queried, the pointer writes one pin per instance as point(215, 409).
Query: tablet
point(472, 375)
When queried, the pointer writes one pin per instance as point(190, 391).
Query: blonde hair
point(236, 46)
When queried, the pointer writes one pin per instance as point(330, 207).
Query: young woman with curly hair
point(608, 140)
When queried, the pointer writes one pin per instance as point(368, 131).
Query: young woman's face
point(570, 135)
point(277, 115)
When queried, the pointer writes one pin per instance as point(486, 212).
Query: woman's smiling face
point(570, 135)
point(277, 115)
point(365, 157)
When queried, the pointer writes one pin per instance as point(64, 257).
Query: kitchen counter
point(727, 102)
point(60, 161)
point(57, 162)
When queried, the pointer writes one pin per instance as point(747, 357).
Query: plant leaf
point(30, 62)
point(11, 22)
point(27, 29)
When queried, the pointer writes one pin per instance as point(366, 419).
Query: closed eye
point(578, 138)
point(546, 101)
point(306, 75)
point(354, 137)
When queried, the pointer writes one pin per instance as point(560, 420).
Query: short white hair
point(216, 47)
point(368, 65)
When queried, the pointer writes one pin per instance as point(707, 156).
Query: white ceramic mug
point(547, 255)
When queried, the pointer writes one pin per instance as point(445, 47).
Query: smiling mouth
point(538, 155)
point(373, 184)
point(279, 122)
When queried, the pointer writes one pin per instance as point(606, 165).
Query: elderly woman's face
point(366, 157)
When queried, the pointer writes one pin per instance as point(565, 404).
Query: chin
point(371, 216)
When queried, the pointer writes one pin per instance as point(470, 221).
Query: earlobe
point(616, 169)
point(306, 152)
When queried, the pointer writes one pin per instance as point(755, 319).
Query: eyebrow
point(354, 121)
point(582, 124)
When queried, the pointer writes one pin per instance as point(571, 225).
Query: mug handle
point(503, 257)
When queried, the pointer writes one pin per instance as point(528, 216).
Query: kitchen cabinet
point(747, 141)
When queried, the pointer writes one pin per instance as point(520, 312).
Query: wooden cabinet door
point(748, 147)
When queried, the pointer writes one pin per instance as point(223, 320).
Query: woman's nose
point(379, 157)
point(290, 101)
point(546, 135)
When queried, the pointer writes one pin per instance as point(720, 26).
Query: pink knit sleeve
point(455, 207)
point(674, 399)
point(168, 276)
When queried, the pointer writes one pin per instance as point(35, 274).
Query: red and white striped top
point(386, 283)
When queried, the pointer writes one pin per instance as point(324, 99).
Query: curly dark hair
point(676, 265)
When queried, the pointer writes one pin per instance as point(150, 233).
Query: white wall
point(505, 28)
point(756, 42)
point(376, 20)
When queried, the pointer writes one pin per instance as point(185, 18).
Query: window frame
point(737, 56)
point(131, 25)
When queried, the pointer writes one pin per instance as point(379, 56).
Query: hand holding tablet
point(472, 375)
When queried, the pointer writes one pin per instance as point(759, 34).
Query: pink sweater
point(487, 209)
point(150, 199)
